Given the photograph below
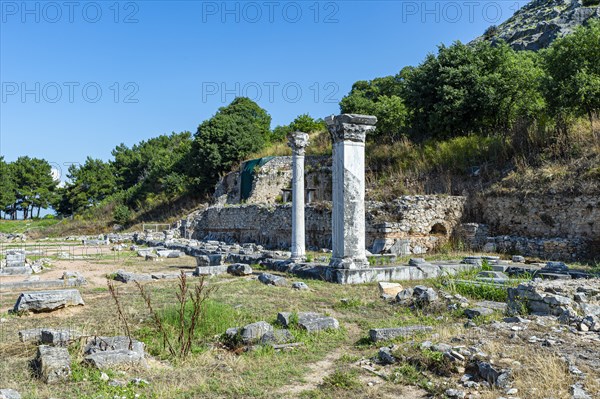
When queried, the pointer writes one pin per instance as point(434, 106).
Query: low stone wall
point(424, 222)
point(544, 216)
point(559, 227)
point(545, 248)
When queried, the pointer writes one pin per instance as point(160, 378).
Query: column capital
point(297, 141)
point(350, 127)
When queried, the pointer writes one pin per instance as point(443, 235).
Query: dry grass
point(538, 373)
point(542, 375)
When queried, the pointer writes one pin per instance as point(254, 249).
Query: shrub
point(180, 325)
point(491, 32)
point(122, 214)
point(342, 380)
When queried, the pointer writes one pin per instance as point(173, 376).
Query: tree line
point(485, 88)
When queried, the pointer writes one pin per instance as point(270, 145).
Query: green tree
point(382, 97)
point(88, 185)
point(8, 189)
point(156, 168)
point(303, 123)
point(572, 62)
point(35, 185)
point(228, 137)
point(473, 89)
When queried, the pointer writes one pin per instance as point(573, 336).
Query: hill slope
point(540, 22)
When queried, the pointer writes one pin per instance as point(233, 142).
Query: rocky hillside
point(540, 22)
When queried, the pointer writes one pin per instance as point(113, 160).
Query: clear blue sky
point(167, 66)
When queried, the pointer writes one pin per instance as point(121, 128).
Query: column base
point(349, 263)
point(298, 259)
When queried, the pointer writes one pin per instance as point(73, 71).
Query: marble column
point(298, 142)
point(348, 132)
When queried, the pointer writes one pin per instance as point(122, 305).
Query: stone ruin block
point(119, 351)
point(210, 270)
point(209, 260)
point(310, 321)
point(47, 301)
point(385, 334)
point(52, 364)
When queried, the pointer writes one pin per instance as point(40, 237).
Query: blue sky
point(79, 78)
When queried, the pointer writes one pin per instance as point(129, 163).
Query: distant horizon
point(79, 80)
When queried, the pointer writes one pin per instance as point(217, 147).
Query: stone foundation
point(366, 275)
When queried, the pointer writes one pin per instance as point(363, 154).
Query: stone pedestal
point(298, 142)
point(348, 132)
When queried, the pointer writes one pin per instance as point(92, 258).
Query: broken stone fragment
point(493, 375)
point(385, 355)
point(9, 394)
point(239, 269)
point(128, 277)
point(404, 295)
point(59, 337)
point(52, 364)
point(167, 253)
point(578, 392)
point(277, 337)
point(471, 313)
point(108, 352)
point(310, 321)
point(32, 334)
point(255, 331)
point(270, 279)
point(384, 334)
point(424, 295)
point(209, 260)
point(391, 289)
point(47, 301)
point(455, 393)
point(299, 285)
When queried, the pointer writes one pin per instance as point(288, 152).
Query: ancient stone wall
point(273, 177)
point(556, 227)
point(422, 221)
point(542, 216)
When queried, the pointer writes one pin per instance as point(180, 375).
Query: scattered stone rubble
point(17, 263)
point(574, 302)
point(263, 333)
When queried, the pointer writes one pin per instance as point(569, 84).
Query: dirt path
point(313, 377)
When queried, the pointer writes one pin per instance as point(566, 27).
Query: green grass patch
point(342, 379)
point(486, 292)
point(216, 318)
point(22, 226)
